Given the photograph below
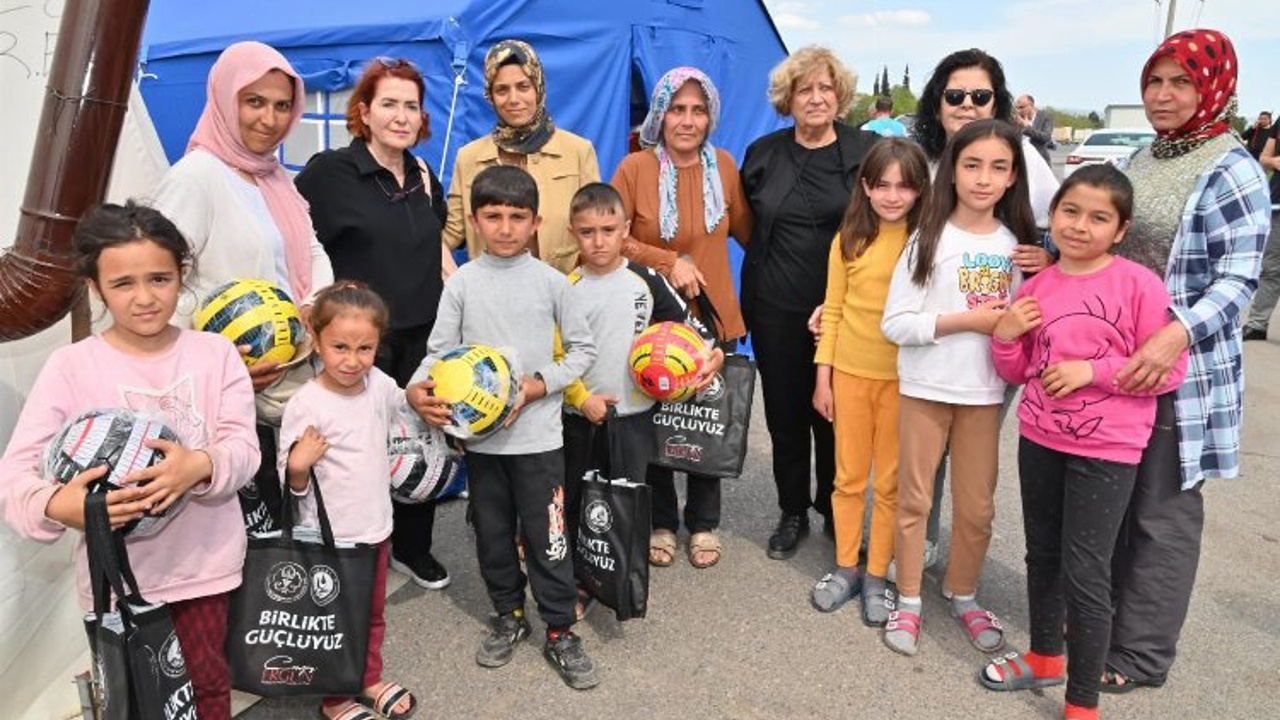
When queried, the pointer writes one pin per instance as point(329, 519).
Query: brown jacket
point(564, 164)
point(637, 180)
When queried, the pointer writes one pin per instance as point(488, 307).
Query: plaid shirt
point(1212, 274)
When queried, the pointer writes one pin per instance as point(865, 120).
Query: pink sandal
point(902, 632)
point(976, 622)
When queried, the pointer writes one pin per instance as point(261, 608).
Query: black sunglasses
point(955, 98)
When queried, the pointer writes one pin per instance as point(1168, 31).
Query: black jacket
point(768, 175)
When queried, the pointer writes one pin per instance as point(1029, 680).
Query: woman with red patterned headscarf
point(1201, 216)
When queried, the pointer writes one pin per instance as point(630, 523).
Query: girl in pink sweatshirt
point(134, 259)
point(1070, 329)
point(335, 431)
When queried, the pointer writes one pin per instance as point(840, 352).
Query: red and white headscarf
point(1210, 59)
point(218, 133)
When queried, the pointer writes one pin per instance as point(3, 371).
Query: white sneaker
point(930, 559)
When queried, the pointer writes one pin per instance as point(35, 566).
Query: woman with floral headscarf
point(684, 199)
point(559, 161)
point(1201, 216)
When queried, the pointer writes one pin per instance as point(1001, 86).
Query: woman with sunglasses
point(559, 161)
point(969, 85)
point(379, 211)
point(798, 181)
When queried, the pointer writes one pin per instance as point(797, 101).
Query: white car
point(1109, 145)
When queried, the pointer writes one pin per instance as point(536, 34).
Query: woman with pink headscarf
point(239, 209)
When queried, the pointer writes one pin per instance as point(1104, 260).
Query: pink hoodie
point(201, 389)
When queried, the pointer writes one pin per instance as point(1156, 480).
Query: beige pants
point(973, 432)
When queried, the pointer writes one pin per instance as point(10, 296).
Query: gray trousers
point(1154, 566)
point(1264, 301)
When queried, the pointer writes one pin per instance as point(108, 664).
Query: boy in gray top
point(506, 298)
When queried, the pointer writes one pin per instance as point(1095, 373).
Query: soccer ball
point(480, 387)
point(665, 359)
point(112, 437)
point(254, 313)
point(423, 467)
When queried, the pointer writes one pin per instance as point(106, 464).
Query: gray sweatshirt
point(515, 304)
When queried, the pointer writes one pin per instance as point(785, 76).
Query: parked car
point(1108, 145)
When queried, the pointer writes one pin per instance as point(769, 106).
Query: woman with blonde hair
point(798, 181)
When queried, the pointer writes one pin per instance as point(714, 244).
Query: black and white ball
point(423, 466)
point(116, 438)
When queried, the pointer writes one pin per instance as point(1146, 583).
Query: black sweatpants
point(525, 494)
point(784, 354)
point(1072, 508)
point(586, 447)
point(399, 355)
point(1156, 558)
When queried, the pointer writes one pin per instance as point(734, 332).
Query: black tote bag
point(138, 662)
point(707, 434)
point(299, 623)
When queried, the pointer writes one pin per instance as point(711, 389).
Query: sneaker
point(566, 655)
point(1251, 333)
point(504, 632)
point(930, 559)
point(424, 571)
point(787, 536)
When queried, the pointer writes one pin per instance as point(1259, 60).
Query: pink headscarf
point(218, 133)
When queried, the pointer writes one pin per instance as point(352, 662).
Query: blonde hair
point(800, 65)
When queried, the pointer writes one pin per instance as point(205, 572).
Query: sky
point(1069, 54)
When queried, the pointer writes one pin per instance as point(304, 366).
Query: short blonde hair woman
point(785, 79)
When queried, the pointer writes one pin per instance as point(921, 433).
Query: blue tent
point(601, 60)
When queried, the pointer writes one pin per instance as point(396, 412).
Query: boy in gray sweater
point(506, 298)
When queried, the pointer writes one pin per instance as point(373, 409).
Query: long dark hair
point(1013, 209)
point(927, 128)
point(109, 225)
point(861, 225)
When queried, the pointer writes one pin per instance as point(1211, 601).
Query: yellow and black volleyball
point(480, 387)
point(254, 313)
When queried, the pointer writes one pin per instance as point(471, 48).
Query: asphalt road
point(740, 640)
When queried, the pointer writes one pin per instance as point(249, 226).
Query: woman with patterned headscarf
point(1201, 216)
point(559, 161)
point(684, 199)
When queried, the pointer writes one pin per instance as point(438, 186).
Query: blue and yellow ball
point(665, 359)
point(254, 313)
point(480, 387)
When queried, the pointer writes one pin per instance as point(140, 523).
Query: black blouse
point(378, 232)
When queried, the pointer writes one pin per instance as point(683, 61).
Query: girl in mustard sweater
point(857, 370)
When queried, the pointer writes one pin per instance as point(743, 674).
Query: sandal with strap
point(1011, 672)
point(834, 590)
point(353, 711)
point(701, 543)
point(976, 622)
point(1115, 682)
point(385, 702)
point(903, 621)
point(662, 541)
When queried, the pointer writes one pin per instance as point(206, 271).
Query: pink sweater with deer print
point(1102, 317)
point(200, 388)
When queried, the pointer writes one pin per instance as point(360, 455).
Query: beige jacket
point(564, 164)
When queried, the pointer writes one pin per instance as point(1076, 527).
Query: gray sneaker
point(504, 632)
point(569, 659)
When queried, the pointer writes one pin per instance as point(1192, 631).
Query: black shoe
point(829, 527)
point(504, 632)
point(424, 571)
point(1254, 334)
point(787, 536)
point(566, 655)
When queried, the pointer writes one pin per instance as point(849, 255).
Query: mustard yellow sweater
point(856, 291)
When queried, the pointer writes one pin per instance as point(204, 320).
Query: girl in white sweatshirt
point(949, 289)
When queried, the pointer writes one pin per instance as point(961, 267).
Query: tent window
point(323, 126)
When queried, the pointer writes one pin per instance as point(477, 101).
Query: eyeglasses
point(955, 97)
point(399, 195)
point(391, 63)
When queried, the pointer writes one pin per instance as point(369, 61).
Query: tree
point(906, 77)
point(884, 81)
point(1093, 118)
point(875, 85)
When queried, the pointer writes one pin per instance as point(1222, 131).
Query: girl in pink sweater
point(1068, 332)
point(135, 260)
point(335, 431)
